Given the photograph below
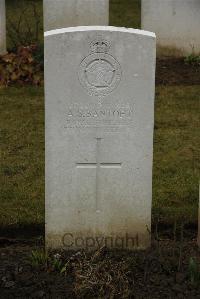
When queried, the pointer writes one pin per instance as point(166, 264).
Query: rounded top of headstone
point(100, 28)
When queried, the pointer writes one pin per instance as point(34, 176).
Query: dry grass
point(97, 274)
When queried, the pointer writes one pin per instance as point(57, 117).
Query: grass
point(175, 179)
point(22, 157)
point(125, 13)
point(176, 153)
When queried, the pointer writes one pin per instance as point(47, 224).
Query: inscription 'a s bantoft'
point(99, 73)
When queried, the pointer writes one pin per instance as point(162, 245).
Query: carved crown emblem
point(99, 73)
point(100, 46)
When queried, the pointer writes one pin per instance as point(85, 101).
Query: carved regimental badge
point(99, 73)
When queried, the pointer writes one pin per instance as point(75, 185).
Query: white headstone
point(176, 24)
point(69, 13)
point(99, 89)
point(2, 27)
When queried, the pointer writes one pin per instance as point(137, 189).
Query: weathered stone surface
point(2, 27)
point(176, 24)
point(99, 89)
point(69, 13)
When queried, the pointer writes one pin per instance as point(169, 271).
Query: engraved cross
point(98, 166)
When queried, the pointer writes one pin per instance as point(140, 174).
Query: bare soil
point(162, 271)
point(175, 71)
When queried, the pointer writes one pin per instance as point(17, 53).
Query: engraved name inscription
point(98, 117)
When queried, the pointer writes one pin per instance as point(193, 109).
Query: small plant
point(194, 271)
point(21, 67)
point(57, 264)
point(39, 258)
point(192, 59)
point(38, 54)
